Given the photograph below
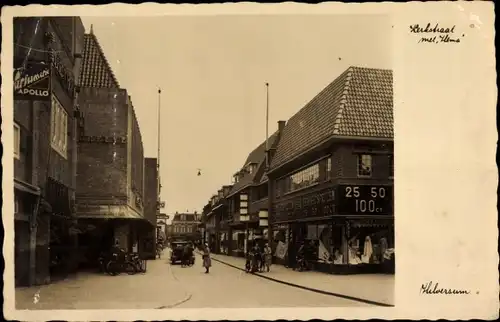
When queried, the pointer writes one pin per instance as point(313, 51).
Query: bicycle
point(140, 264)
point(120, 265)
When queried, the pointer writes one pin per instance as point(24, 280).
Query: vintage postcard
point(249, 161)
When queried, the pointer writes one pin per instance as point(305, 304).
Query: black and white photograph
point(218, 161)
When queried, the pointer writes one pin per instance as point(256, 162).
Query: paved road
point(227, 287)
point(100, 291)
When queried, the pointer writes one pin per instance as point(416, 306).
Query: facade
point(331, 184)
point(151, 210)
point(110, 181)
point(44, 145)
point(216, 222)
point(185, 227)
point(247, 201)
point(162, 225)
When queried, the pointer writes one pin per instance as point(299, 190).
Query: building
point(247, 200)
point(110, 182)
point(185, 227)
point(216, 222)
point(162, 225)
point(46, 68)
point(331, 178)
point(147, 244)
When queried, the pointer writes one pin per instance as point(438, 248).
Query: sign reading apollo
point(32, 82)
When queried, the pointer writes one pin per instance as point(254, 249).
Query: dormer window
point(252, 167)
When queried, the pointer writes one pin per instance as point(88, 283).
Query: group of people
point(258, 259)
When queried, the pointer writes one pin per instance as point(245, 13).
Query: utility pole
point(159, 137)
point(267, 126)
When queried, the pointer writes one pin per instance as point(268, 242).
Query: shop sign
point(102, 139)
point(313, 205)
point(65, 76)
point(32, 82)
point(364, 200)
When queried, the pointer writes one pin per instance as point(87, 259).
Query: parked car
point(177, 250)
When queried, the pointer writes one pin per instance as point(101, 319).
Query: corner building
point(46, 67)
point(110, 181)
point(331, 178)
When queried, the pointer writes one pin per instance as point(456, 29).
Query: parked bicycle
point(140, 264)
point(121, 264)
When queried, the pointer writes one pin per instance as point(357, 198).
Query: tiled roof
point(95, 71)
point(257, 156)
point(358, 103)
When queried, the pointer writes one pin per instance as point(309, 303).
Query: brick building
point(110, 180)
point(331, 178)
point(247, 200)
point(151, 206)
point(46, 63)
point(185, 227)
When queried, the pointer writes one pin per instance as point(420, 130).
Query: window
point(17, 141)
point(391, 165)
point(301, 179)
point(364, 165)
point(59, 127)
point(328, 168)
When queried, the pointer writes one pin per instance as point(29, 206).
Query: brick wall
point(37, 160)
point(345, 162)
point(102, 167)
point(137, 161)
point(150, 189)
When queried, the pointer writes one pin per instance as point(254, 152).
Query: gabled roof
point(359, 103)
point(257, 156)
point(95, 70)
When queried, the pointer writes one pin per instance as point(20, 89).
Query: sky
point(212, 71)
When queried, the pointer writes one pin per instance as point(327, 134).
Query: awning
point(26, 187)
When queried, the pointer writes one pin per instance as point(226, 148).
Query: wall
point(150, 189)
point(136, 170)
point(102, 167)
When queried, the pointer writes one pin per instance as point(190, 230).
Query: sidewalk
point(369, 287)
point(157, 288)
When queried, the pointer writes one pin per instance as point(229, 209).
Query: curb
point(348, 297)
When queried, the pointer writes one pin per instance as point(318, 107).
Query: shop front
point(339, 234)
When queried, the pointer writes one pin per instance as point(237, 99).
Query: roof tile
point(96, 71)
point(358, 103)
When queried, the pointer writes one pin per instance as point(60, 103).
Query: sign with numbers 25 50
point(365, 199)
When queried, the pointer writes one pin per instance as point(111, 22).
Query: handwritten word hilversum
point(431, 288)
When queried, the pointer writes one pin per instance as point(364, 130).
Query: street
point(165, 286)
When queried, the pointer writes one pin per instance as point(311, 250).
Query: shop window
point(364, 165)
point(59, 127)
point(17, 141)
point(391, 165)
point(370, 245)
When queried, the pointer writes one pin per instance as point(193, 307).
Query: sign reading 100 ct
point(364, 199)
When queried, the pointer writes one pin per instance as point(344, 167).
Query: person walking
point(268, 257)
point(207, 262)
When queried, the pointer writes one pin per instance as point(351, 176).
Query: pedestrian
point(207, 262)
point(268, 257)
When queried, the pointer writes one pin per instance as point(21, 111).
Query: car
point(176, 251)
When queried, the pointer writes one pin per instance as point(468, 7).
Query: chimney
point(281, 126)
